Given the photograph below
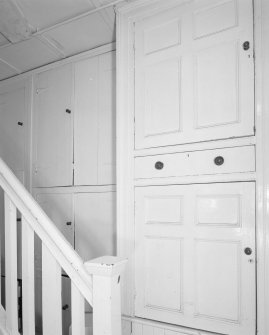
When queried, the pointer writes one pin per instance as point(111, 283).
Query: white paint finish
point(28, 282)
point(106, 272)
point(163, 210)
point(95, 222)
point(214, 18)
point(51, 294)
point(107, 122)
point(196, 83)
point(220, 211)
point(218, 282)
point(11, 266)
point(13, 24)
point(162, 282)
point(86, 122)
point(53, 128)
point(126, 327)
point(12, 136)
point(237, 159)
point(6, 70)
point(100, 34)
point(43, 14)
point(95, 121)
point(158, 98)
point(28, 54)
point(59, 208)
point(197, 275)
point(163, 36)
point(78, 312)
point(45, 229)
point(3, 40)
point(216, 75)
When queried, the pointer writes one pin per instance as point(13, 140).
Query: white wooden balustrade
point(97, 281)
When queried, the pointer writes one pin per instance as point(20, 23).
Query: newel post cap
point(107, 266)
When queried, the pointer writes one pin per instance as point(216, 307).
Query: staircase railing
point(97, 281)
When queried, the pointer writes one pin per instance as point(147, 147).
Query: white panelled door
point(194, 73)
point(195, 256)
point(53, 130)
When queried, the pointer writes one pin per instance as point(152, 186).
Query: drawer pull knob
point(219, 160)
point(158, 165)
point(248, 251)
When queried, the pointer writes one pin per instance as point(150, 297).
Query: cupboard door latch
point(20, 123)
point(68, 111)
point(246, 45)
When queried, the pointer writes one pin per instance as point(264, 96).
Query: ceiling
point(37, 32)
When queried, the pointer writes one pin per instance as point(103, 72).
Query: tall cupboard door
point(86, 122)
point(53, 128)
point(94, 124)
point(195, 256)
point(12, 129)
point(194, 73)
point(95, 222)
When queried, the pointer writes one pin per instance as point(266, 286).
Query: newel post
point(106, 274)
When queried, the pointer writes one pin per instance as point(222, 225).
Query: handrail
point(61, 249)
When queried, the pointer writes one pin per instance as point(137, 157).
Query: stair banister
point(97, 281)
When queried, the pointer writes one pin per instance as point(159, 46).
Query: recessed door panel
point(216, 84)
point(191, 267)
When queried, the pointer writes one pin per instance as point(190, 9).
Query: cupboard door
point(107, 119)
point(86, 122)
point(53, 128)
point(94, 127)
point(95, 221)
point(194, 73)
point(59, 208)
point(191, 264)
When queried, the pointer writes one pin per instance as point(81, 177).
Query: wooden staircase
point(97, 281)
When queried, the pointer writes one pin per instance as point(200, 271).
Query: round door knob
point(219, 160)
point(248, 251)
point(158, 165)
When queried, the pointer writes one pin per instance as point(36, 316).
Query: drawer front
point(217, 161)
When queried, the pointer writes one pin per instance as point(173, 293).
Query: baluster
point(51, 294)
point(11, 266)
point(78, 311)
point(28, 298)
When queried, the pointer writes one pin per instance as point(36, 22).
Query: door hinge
point(131, 327)
point(254, 130)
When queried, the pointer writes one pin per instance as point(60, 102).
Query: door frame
point(125, 150)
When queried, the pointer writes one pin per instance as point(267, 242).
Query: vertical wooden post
point(106, 272)
point(11, 266)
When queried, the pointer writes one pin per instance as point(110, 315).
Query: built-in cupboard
point(186, 193)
